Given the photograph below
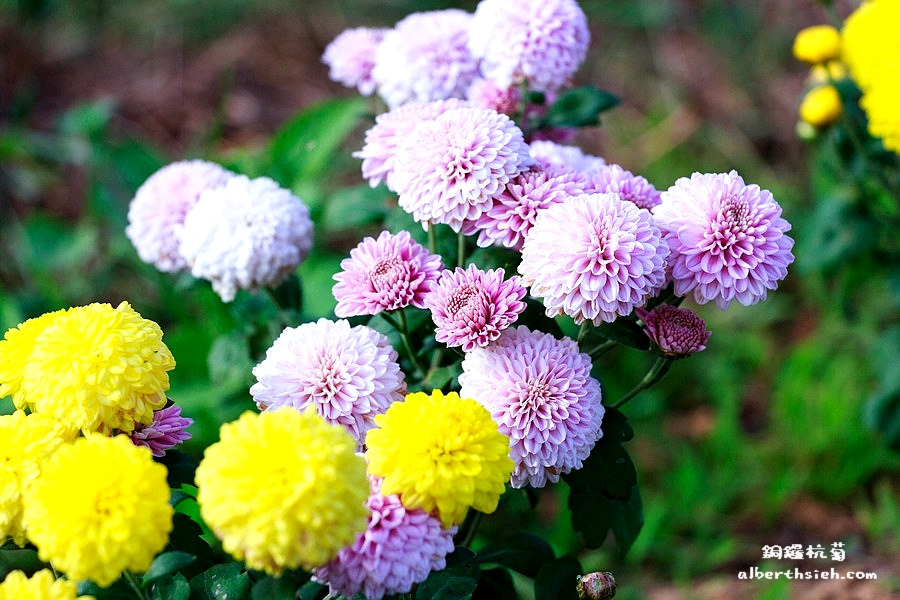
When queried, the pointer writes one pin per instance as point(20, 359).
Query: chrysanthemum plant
point(400, 449)
point(849, 117)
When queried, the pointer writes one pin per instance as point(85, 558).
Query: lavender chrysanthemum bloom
point(594, 257)
point(677, 332)
point(167, 430)
point(246, 234)
point(727, 239)
point(399, 548)
point(349, 374)
point(387, 273)
point(449, 168)
point(542, 42)
point(471, 307)
point(351, 57)
point(484, 93)
point(157, 212)
point(425, 57)
point(540, 392)
point(513, 211)
point(390, 130)
point(631, 187)
point(550, 154)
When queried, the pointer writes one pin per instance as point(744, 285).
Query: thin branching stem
point(656, 372)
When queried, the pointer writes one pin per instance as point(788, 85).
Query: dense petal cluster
point(449, 168)
point(550, 154)
point(390, 130)
point(728, 240)
point(541, 42)
point(440, 453)
point(485, 93)
point(540, 392)
point(283, 489)
point(513, 211)
point(40, 586)
point(167, 430)
point(425, 57)
point(594, 257)
point(628, 186)
point(93, 367)
point(387, 273)
point(100, 506)
point(880, 103)
point(351, 57)
point(157, 212)
point(399, 548)
point(348, 374)
point(25, 442)
point(677, 332)
point(470, 307)
point(246, 234)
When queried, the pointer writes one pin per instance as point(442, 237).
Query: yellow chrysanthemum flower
point(97, 367)
point(871, 46)
point(283, 489)
point(25, 442)
point(821, 106)
point(882, 105)
point(100, 506)
point(817, 44)
point(40, 586)
point(441, 453)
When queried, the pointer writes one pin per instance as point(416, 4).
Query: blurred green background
point(778, 434)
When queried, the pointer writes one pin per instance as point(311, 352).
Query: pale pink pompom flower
point(351, 57)
point(550, 154)
point(484, 93)
point(628, 186)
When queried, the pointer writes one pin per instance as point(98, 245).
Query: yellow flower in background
point(817, 44)
point(882, 105)
point(283, 489)
point(100, 506)
point(821, 106)
point(871, 46)
point(441, 453)
point(96, 367)
point(40, 586)
point(25, 442)
point(827, 72)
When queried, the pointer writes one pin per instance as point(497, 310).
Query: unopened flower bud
point(817, 44)
point(677, 332)
point(821, 106)
point(596, 586)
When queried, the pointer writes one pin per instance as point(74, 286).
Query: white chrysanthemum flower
point(246, 234)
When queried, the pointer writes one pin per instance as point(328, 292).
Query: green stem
point(601, 349)
point(432, 239)
point(460, 250)
point(585, 326)
point(656, 372)
point(469, 528)
point(133, 582)
point(403, 329)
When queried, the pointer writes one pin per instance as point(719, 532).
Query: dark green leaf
point(87, 119)
point(177, 496)
point(627, 520)
point(440, 377)
point(283, 587)
point(495, 584)
point(355, 207)
point(180, 466)
point(221, 582)
point(882, 409)
point(557, 579)
point(521, 552)
point(166, 564)
point(312, 590)
point(579, 107)
point(118, 590)
point(171, 588)
point(19, 559)
point(622, 331)
point(450, 584)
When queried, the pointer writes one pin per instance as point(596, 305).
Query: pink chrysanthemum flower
point(246, 234)
point(677, 332)
point(542, 42)
point(540, 392)
point(390, 130)
point(425, 57)
point(449, 168)
point(594, 257)
point(387, 273)
point(399, 548)
point(631, 187)
point(484, 93)
point(349, 374)
point(157, 211)
point(513, 211)
point(351, 57)
point(167, 430)
point(727, 239)
point(471, 307)
point(550, 154)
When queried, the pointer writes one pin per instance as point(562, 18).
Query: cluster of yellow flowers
point(820, 46)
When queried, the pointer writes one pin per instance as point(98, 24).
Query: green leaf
point(521, 552)
point(354, 207)
point(495, 584)
point(172, 588)
point(303, 150)
point(558, 579)
point(221, 582)
point(180, 467)
point(438, 378)
point(579, 107)
point(87, 119)
point(312, 590)
point(283, 587)
point(23, 559)
point(186, 537)
point(166, 564)
point(622, 331)
point(456, 582)
point(882, 410)
point(229, 361)
point(627, 520)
